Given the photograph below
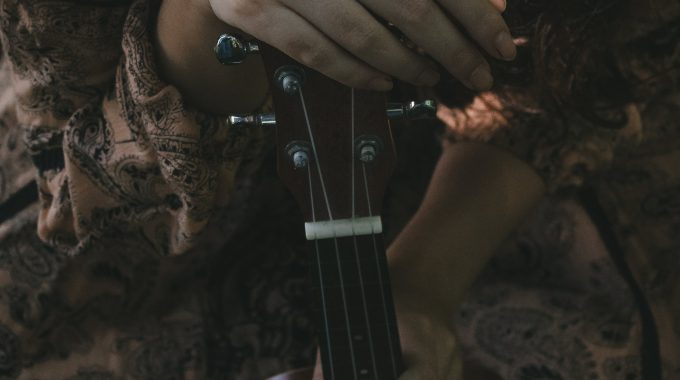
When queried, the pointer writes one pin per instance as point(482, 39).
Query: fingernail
point(481, 79)
point(500, 4)
point(380, 84)
point(429, 78)
point(505, 47)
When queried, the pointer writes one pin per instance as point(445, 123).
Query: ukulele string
point(352, 156)
point(390, 341)
point(335, 240)
point(321, 280)
point(354, 238)
point(316, 156)
point(346, 310)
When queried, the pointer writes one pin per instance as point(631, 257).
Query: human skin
point(343, 40)
point(336, 37)
point(185, 37)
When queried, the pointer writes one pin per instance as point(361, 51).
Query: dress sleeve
point(565, 151)
point(117, 150)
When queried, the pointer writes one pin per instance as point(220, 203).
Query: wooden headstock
point(343, 123)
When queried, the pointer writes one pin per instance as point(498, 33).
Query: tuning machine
point(367, 148)
point(289, 79)
point(410, 111)
point(427, 109)
point(232, 50)
point(259, 120)
point(299, 153)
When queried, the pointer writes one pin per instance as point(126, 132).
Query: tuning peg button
point(426, 109)
point(231, 50)
point(259, 120)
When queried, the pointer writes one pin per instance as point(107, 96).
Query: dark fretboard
point(358, 331)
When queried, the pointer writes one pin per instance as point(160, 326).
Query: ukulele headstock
point(335, 145)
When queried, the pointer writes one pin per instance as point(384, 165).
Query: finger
point(484, 24)
point(307, 45)
point(428, 369)
point(454, 368)
point(439, 38)
point(411, 374)
point(318, 372)
point(351, 26)
point(500, 5)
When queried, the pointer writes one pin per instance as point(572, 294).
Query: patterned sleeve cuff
point(143, 160)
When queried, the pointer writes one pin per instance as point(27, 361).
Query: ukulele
point(335, 154)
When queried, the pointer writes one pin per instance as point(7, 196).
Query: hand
point(428, 344)
point(343, 40)
point(429, 347)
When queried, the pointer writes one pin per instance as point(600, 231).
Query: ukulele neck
point(358, 334)
point(336, 155)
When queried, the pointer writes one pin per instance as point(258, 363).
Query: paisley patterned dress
point(92, 283)
point(160, 245)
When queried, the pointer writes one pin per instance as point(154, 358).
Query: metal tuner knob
point(426, 109)
point(260, 120)
point(231, 50)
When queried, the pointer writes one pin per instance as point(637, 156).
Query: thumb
point(318, 373)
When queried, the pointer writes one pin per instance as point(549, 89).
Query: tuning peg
point(259, 120)
point(426, 109)
point(231, 50)
point(289, 79)
point(412, 111)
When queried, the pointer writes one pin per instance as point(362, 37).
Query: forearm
point(477, 196)
point(186, 32)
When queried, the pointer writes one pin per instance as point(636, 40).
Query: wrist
point(419, 290)
point(185, 38)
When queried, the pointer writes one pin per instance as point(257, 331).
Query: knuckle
point(366, 42)
point(310, 56)
point(464, 62)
